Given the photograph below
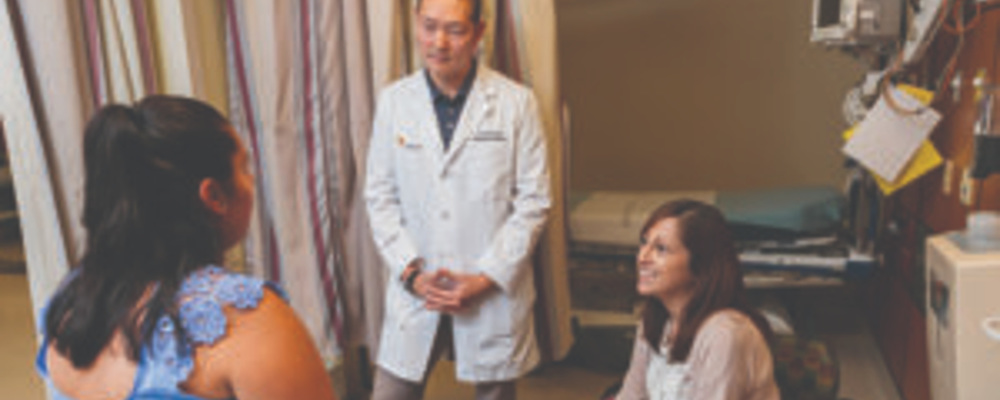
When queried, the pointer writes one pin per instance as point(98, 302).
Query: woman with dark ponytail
point(698, 339)
point(149, 313)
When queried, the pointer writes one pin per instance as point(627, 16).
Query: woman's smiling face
point(664, 262)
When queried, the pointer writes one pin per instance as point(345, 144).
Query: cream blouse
point(729, 360)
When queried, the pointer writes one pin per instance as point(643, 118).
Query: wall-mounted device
point(986, 132)
point(923, 25)
point(857, 22)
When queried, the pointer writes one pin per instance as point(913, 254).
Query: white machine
point(857, 22)
point(963, 318)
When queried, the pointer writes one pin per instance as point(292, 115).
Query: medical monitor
point(856, 22)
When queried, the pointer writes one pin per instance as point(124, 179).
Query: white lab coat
point(477, 208)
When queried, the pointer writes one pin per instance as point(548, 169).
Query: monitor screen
point(829, 13)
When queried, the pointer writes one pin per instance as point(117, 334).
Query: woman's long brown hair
point(715, 267)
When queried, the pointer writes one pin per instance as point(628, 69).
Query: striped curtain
point(36, 40)
point(524, 48)
point(72, 57)
point(134, 48)
point(301, 94)
point(296, 79)
point(520, 41)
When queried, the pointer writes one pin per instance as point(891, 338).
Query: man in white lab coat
point(457, 192)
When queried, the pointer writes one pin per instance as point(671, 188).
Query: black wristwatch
point(410, 280)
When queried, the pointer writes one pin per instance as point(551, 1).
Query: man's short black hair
point(477, 10)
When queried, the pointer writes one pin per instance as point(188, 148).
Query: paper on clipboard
point(886, 140)
point(927, 159)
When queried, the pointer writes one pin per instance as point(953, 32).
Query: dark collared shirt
point(448, 110)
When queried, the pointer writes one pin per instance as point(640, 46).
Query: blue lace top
point(166, 362)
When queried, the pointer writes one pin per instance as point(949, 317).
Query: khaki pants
point(391, 387)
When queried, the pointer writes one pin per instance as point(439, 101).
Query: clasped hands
point(449, 291)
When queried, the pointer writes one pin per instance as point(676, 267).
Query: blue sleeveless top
point(165, 362)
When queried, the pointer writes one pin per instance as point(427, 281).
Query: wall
point(700, 94)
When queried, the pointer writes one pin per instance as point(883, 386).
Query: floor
point(829, 313)
point(17, 344)
point(19, 381)
point(836, 315)
point(864, 376)
point(556, 382)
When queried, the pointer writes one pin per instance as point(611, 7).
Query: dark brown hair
point(145, 222)
point(477, 10)
point(715, 267)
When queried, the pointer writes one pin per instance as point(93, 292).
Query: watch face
point(445, 283)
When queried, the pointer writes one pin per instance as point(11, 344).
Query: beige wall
point(700, 94)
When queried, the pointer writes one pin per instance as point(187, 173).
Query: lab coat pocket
point(489, 152)
point(489, 135)
point(498, 337)
point(400, 307)
point(496, 349)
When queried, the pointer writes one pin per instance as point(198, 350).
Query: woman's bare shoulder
point(268, 353)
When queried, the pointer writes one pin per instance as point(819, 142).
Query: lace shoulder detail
point(201, 299)
point(203, 295)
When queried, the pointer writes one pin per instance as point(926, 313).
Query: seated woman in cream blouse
point(697, 340)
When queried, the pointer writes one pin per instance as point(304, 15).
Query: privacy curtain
point(301, 95)
point(302, 100)
point(62, 60)
point(520, 41)
point(41, 101)
point(538, 40)
point(524, 47)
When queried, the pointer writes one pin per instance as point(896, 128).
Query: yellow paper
point(922, 95)
point(926, 159)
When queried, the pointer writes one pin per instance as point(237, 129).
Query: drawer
point(602, 284)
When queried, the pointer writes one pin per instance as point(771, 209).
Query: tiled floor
point(864, 377)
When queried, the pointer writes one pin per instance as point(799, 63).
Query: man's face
point(447, 37)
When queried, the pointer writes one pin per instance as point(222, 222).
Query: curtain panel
point(301, 94)
point(69, 58)
point(39, 131)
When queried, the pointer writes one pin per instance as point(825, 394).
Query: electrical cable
point(949, 70)
point(884, 89)
point(958, 12)
point(884, 85)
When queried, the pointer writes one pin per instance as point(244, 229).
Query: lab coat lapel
point(427, 126)
point(477, 106)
